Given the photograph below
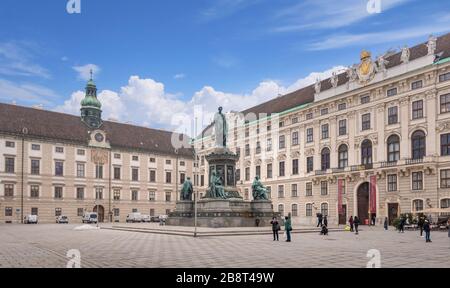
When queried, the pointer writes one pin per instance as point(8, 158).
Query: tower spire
point(92, 72)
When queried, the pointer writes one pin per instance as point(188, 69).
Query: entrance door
point(101, 213)
point(343, 216)
point(363, 202)
point(392, 212)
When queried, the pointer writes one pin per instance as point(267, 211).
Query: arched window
point(366, 152)
point(324, 209)
point(308, 210)
point(417, 205)
point(294, 210)
point(418, 144)
point(343, 156)
point(325, 159)
point(281, 209)
point(393, 146)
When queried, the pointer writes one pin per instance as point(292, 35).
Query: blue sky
point(155, 58)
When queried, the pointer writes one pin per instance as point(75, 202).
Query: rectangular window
point(116, 173)
point(417, 180)
point(280, 191)
point(309, 116)
point(182, 178)
point(247, 149)
point(294, 192)
point(247, 174)
point(9, 190)
point(116, 194)
point(9, 164)
point(294, 210)
point(295, 138)
point(58, 192)
point(309, 164)
point(391, 92)
point(258, 171)
point(135, 158)
point(152, 212)
point(134, 195)
point(152, 176)
point(58, 212)
point(365, 99)
point(99, 193)
point(269, 128)
point(417, 109)
point(35, 147)
point(152, 160)
point(59, 149)
point(445, 178)
point(59, 168)
point(269, 192)
point(308, 189)
point(342, 106)
point(35, 211)
point(445, 103)
point(10, 144)
point(168, 162)
point(445, 144)
point(444, 77)
point(8, 211)
point(392, 182)
point(342, 127)
point(152, 195)
point(269, 171)
point(116, 212)
point(80, 170)
point(258, 147)
point(281, 124)
point(309, 135)
point(168, 196)
point(168, 177)
point(281, 169)
point(282, 142)
point(323, 188)
point(182, 163)
point(324, 111)
point(295, 167)
point(134, 174)
point(80, 212)
point(81, 152)
point(80, 193)
point(365, 121)
point(34, 191)
point(294, 120)
point(246, 194)
point(35, 167)
point(117, 156)
point(269, 145)
point(309, 210)
point(325, 131)
point(416, 85)
point(392, 115)
point(99, 171)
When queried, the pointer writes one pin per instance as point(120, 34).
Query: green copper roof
point(90, 101)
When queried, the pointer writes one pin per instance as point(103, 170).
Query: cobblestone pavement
point(46, 246)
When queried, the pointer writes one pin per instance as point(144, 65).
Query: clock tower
point(91, 113)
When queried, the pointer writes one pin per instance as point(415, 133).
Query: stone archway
point(101, 213)
point(362, 196)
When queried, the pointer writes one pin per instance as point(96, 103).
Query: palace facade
point(372, 141)
point(55, 164)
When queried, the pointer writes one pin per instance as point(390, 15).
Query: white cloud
point(84, 72)
point(17, 60)
point(28, 93)
point(179, 76)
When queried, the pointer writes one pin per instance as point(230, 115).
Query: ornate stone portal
point(222, 205)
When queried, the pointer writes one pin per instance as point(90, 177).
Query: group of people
point(276, 227)
point(354, 222)
point(322, 222)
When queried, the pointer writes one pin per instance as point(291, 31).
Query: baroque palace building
point(372, 141)
point(55, 164)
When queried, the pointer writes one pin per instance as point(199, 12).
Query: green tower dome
point(91, 112)
point(90, 101)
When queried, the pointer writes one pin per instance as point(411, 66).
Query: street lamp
point(195, 180)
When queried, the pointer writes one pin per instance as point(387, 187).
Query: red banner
point(340, 195)
point(373, 195)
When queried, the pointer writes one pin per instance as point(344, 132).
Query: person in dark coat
point(420, 224)
point(325, 221)
point(319, 219)
point(402, 225)
point(288, 228)
point(427, 229)
point(275, 228)
point(351, 223)
point(386, 224)
point(356, 223)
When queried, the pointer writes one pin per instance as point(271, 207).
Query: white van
point(146, 218)
point(89, 217)
point(30, 219)
point(134, 217)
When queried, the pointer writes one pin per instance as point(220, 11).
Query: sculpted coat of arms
point(366, 69)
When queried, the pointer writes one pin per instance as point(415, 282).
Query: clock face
point(99, 137)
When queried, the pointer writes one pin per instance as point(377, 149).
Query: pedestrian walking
point(420, 224)
point(275, 229)
point(402, 225)
point(386, 224)
point(325, 221)
point(288, 228)
point(351, 223)
point(427, 229)
point(319, 219)
point(356, 223)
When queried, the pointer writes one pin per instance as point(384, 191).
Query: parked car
point(30, 219)
point(134, 218)
point(146, 218)
point(154, 219)
point(89, 217)
point(62, 219)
